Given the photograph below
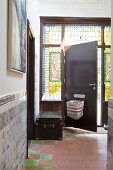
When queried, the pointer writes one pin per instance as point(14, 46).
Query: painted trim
point(10, 97)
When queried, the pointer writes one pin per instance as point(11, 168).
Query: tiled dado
point(110, 135)
point(7, 98)
point(13, 117)
point(110, 103)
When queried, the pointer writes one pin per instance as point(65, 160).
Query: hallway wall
point(112, 50)
point(10, 82)
point(13, 103)
point(12, 130)
point(110, 108)
point(75, 8)
point(33, 16)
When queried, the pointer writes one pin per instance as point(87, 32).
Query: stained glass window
point(51, 62)
point(51, 34)
point(51, 73)
point(51, 57)
point(107, 35)
point(80, 33)
point(107, 72)
point(55, 65)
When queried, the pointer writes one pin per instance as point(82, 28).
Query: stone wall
point(13, 117)
point(110, 136)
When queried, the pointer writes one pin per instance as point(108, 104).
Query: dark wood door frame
point(30, 83)
point(81, 21)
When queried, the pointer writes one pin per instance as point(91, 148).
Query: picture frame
point(17, 35)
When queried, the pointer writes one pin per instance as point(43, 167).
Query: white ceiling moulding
point(73, 6)
point(78, 1)
point(76, 8)
point(93, 12)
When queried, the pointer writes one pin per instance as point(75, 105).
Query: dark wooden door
point(30, 82)
point(81, 78)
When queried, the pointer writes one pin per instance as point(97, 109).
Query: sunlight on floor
point(79, 150)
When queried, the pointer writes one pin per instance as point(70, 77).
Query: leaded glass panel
point(51, 74)
point(51, 34)
point(107, 35)
point(107, 72)
point(82, 33)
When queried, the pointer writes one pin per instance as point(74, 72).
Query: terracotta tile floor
point(79, 150)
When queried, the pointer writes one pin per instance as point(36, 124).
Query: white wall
point(33, 16)
point(75, 8)
point(9, 81)
point(112, 51)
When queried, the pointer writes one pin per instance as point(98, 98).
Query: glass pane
point(107, 64)
point(80, 33)
point(107, 72)
point(51, 34)
point(107, 35)
point(51, 74)
point(107, 90)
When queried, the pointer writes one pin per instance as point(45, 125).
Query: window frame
point(70, 21)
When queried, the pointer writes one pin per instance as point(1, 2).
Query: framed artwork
point(55, 67)
point(17, 35)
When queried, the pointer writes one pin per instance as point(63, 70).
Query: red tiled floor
point(33, 156)
point(43, 163)
point(29, 168)
point(87, 151)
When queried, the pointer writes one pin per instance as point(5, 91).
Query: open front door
point(81, 78)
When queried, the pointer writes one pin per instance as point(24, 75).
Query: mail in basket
point(75, 109)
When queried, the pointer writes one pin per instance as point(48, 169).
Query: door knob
point(94, 88)
point(92, 84)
